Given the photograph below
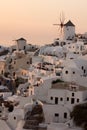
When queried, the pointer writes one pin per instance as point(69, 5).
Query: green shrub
point(79, 115)
point(56, 81)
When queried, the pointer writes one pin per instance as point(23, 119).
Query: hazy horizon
point(34, 19)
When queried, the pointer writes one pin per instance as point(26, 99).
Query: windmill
point(61, 24)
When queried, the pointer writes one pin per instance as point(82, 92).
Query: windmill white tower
point(69, 31)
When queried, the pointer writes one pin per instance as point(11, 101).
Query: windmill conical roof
point(21, 39)
point(69, 23)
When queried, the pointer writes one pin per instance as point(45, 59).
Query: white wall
point(75, 47)
point(78, 77)
point(60, 93)
point(76, 65)
point(64, 94)
point(41, 92)
point(68, 32)
point(81, 80)
point(21, 44)
point(71, 75)
point(24, 100)
point(57, 126)
point(36, 59)
point(51, 110)
point(14, 117)
point(77, 95)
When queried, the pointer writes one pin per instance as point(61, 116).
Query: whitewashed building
point(21, 44)
point(75, 69)
point(71, 71)
point(41, 91)
point(14, 117)
point(60, 101)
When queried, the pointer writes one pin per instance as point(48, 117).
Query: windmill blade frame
point(62, 17)
point(61, 25)
point(56, 24)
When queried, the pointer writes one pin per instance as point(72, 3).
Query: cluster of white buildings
point(55, 78)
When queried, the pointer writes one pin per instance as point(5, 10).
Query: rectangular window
point(31, 92)
point(67, 98)
point(77, 100)
point(72, 100)
point(65, 115)
point(61, 99)
point(56, 100)
point(56, 114)
point(30, 60)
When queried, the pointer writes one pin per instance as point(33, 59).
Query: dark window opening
point(30, 60)
point(58, 74)
point(13, 73)
point(14, 118)
point(61, 99)
point(77, 100)
point(67, 98)
point(73, 72)
point(65, 115)
point(24, 47)
point(56, 100)
point(84, 71)
point(27, 87)
point(66, 72)
point(72, 100)
point(51, 98)
point(27, 62)
point(72, 94)
point(56, 114)
point(82, 67)
point(2, 72)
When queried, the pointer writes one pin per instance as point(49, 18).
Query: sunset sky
point(34, 19)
